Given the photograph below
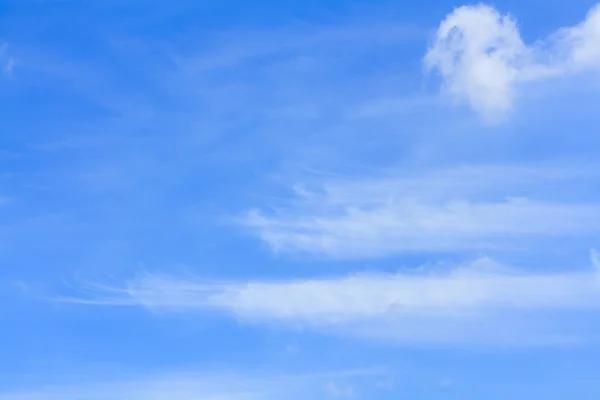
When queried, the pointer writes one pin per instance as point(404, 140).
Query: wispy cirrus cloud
point(7, 61)
point(406, 225)
point(477, 303)
point(465, 208)
point(482, 58)
point(190, 386)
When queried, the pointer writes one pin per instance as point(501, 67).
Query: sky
point(290, 200)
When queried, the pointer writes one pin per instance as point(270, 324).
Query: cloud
point(482, 302)
point(336, 390)
point(483, 60)
point(408, 225)
point(595, 257)
point(186, 386)
point(174, 388)
point(7, 62)
point(9, 66)
point(468, 208)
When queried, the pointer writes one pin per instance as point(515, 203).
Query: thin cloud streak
point(187, 386)
point(481, 302)
point(470, 208)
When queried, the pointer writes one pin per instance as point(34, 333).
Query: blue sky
point(299, 199)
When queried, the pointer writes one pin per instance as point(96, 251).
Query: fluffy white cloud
point(448, 210)
point(479, 303)
point(582, 42)
point(482, 58)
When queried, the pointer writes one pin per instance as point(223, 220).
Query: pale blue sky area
point(295, 200)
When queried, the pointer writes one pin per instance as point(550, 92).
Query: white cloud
point(158, 388)
point(336, 390)
point(478, 303)
point(9, 66)
point(409, 225)
point(450, 210)
point(185, 386)
point(6, 60)
point(595, 257)
point(583, 41)
point(482, 58)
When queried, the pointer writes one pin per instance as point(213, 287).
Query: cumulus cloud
point(468, 208)
point(482, 58)
point(482, 302)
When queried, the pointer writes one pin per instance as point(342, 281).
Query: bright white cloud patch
point(482, 58)
point(469, 208)
point(481, 302)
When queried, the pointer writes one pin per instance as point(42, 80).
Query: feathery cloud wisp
point(188, 386)
point(482, 303)
point(469, 208)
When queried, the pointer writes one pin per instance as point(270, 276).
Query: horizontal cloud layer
point(192, 386)
point(469, 208)
point(482, 302)
point(482, 58)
